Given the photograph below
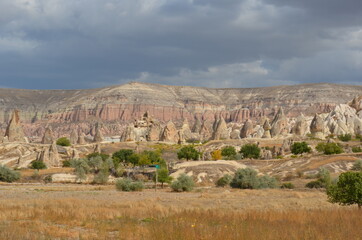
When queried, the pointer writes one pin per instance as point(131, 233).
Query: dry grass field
point(55, 211)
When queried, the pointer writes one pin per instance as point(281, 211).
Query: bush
point(287, 185)
point(300, 148)
point(329, 148)
point(101, 155)
point(345, 137)
point(183, 183)
point(188, 152)
point(122, 155)
point(8, 175)
point(38, 165)
point(250, 151)
point(127, 185)
point(63, 142)
point(228, 152)
point(81, 168)
point(347, 190)
point(247, 178)
point(66, 164)
point(357, 166)
point(323, 181)
point(163, 176)
point(216, 155)
point(224, 180)
point(101, 177)
point(356, 149)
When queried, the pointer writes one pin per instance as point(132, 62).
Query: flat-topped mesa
point(14, 131)
point(48, 137)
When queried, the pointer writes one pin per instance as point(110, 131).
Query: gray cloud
point(248, 43)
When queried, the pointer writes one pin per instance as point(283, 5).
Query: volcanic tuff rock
point(14, 131)
point(48, 137)
point(118, 105)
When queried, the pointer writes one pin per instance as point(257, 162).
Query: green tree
point(81, 168)
point(63, 141)
point(183, 183)
point(347, 190)
point(8, 175)
point(300, 148)
point(329, 148)
point(122, 155)
point(250, 151)
point(38, 165)
point(188, 152)
point(102, 155)
point(134, 159)
point(228, 152)
point(163, 176)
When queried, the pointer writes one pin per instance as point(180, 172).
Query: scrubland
point(35, 211)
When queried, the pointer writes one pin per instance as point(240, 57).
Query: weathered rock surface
point(247, 129)
point(317, 127)
point(14, 131)
point(221, 130)
point(98, 137)
point(118, 105)
point(48, 137)
point(170, 133)
point(279, 124)
point(73, 138)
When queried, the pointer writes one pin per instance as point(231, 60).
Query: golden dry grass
point(88, 212)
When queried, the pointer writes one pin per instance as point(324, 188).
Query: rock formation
point(50, 156)
point(98, 137)
point(279, 124)
point(197, 126)
point(81, 139)
point(221, 130)
point(48, 137)
point(205, 134)
point(301, 126)
point(266, 127)
point(247, 129)
point(73, 138)
point(97, 148)
point(14, 131)
point(317, 127)
point(170, 133)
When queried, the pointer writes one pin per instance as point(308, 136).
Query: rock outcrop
point(48, 137)
point(221, 130)
point(301, 127)
point(247, 129)
point(50, 156)
point(266, 127)
point(170, 133)
point(279, 124)
point(98, 137)
point(317, 127)
point(14, 131)
point(73, 138)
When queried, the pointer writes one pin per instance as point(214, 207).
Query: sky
point(73, 44)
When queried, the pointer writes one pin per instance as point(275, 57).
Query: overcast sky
point(66, 44)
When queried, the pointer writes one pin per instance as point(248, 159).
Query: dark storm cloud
point(229, 43)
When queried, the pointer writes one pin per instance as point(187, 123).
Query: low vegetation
point(323, 179)
point(287, 185)
point(248, 178)
point(228, 152)
point(38, 165)
point(300, 148)
point(329, 148)
point(345, 137)
point(356, 149)
point(357, 166)
point(63, 141)
point(183, 183)
point(8, 175)
point(128, 185)
point(250, 151)
point(224, 180)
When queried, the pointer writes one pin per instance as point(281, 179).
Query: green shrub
point(188, 153)
point(38, 165)
point(323, 181)
point(287, 185)
point(63, 142)
point(347, 190)
point(102, 155)
point(357, 166)
point(101, 177)
point(329, 148)
point(81, 168)
point(122, 156)
point(250, 151)
point(66, 164)
point(228, 152)
point(356, 149)
point(183, 183)
point(300, 148)
point(345, 137)
point(247, 178)
point(163, 176)
point(127, 185)
point(8, 175)
point(224, 180)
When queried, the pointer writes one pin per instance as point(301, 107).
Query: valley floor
point(72, 211)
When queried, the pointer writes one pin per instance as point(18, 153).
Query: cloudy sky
point(66, 44)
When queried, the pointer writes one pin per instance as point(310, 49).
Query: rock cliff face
point(115, 106)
